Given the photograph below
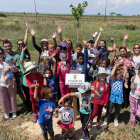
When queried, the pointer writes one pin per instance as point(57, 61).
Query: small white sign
point(74, 79)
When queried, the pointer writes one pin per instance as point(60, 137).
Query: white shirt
point(136, 60)
point(10, 81)
point(67, 115)
point(8, 66)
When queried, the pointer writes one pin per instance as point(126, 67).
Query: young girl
point(24, 85)
point(106, 64)
point(135, 98)
point(67, 119)
point(85, 97)
point(46, 111)
point(49, 79)
point(116, 97)
point(31, 80)
point(103, 88)
point(63, 68)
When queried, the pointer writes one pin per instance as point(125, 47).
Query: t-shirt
point(52, 52)
point(84, 102)
point(67, 115)
point(103, 53)
point(9, 81)
point(31, 80)
point(8, 66)
point(136, 60)
point(108, 71)
point(117, 86)
point(46, 110)
point(133, 93)
point(51, 84)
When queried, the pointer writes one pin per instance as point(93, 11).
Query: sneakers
point(98, 125)
point(6, 116)
point(27, 111)
point(105, 125)
point(116, 123)
point(14, 115)
point(125, 85)
point(34, 118)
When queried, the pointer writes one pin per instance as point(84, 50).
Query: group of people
point(108, 83)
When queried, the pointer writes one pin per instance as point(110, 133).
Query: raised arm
point(113, 71)
point(26, 35)
point(54, 39)
point(59, 32)
point(132, 83)
point(125, 41)
point(125, 70)
point(54, 66)
point(21, 58)
point(69, 54)
point(35, 93)
point(85, 52)
point(33, 41)
point(98, 37)
point(111, 49)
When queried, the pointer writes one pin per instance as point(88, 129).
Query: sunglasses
point(20, 44)
point(137, 48)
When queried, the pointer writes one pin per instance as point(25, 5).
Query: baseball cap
point(8, 59)
point(84, 87)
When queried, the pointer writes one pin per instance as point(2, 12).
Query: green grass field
point(13, 28)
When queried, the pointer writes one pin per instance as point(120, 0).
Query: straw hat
point(43, 40)
point(30, 66)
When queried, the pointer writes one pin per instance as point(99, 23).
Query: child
point(49, 80)
point(57, 56)
point(31, 80)
point(46, 111)
point(92, 68)
point(106, 64)
point(9, 64)
point(85, 97)
point(74, 56)
point(103, 88)
point(63, 68)
point(52, 51)
point(67, 119)
point(135, 98)
point(82, 60)
point(116, 98)
point(130, 66)
point(24, 85)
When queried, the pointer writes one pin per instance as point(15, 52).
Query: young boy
point(74, 56)
point(9, 64)
point(82, 60)
point(52, 51)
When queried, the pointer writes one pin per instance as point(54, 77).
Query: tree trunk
point(77, 31)
point(105, 9)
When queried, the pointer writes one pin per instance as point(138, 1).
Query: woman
point(7, 95)
point(21, 43)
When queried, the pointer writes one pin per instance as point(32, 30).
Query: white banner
point(74, 79)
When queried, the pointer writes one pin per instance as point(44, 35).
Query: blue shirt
point(51, 84)
point(46, 110)
point(116, 86)
point(82, 67)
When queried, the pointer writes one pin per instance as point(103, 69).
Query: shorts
point(9, 74)
point(19, 91)
point(47, 127)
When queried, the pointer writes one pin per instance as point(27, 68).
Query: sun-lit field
point(13, 28)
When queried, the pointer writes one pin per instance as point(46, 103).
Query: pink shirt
point(61, 72)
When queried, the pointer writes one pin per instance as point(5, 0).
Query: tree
point(78, 12)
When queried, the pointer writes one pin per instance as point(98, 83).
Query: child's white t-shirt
point(136, 60)
point(67, 115)
point(8, 66)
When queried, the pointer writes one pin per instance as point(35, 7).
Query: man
point(7, 46)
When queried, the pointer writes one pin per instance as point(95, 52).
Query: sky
point(124, 7)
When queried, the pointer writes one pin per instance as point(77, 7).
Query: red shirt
point(31, 80)
point(52, 52)
point(104, 92)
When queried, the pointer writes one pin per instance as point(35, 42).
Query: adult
point(43, 45)
point(69, 42)
point(103, 50)
point(21, 44)
point(7, 95)
point(8, 52)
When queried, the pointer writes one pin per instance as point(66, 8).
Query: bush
point(2, 20)
point(2, 15)
point(131, 27)
point(16, 20)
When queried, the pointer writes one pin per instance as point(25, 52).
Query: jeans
point(47, 127)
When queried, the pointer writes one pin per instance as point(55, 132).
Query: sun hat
point(8, 59)
point(102, 71)
point(30, 66)
point(84, 87)
point(91, 55)
point(43, 40)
